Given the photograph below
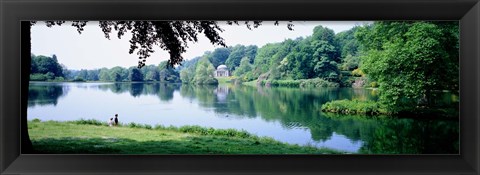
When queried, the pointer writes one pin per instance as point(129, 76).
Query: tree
point(204, 72)
point(135, 75)
point(325, 53)
point(92, 75)
point(219, 56)
point(186, 76)
point(118, 74)
point(303, 58)
point(66, 73)
point(346, 42)
point(83, 74)
point(167, 73)
point(251, 52)
point(244, 67)
point(410, 60)
point(33, 65)
point(233, 60)
point(152, 76)
point(104, 75)
point(43, 65)
point(150, 72)
point(350, 63)
point(188, 63)
point(262, 61)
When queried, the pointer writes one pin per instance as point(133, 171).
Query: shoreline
point(92, 136)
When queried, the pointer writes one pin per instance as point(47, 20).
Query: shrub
point(249, 76)
point(354, 107)
point(358, 73)
point(318, 82)
point(347, 81)
point(288, 83)
point(346, 73)
point(147, 126)
point(78, 79)
point(133, 125)
point(36, 120)
point(211, 131)
point(304, 83)
point(59, 79)
point(50, 75)
point(159, 127)
point(89, 122)
point(208, 81)
point(38, 77)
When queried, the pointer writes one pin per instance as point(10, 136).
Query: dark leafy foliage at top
point(171, 36)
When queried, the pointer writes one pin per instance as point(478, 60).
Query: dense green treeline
point(45, 68)
point(324, 56)
point(200, 70)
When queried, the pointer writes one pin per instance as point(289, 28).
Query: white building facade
point(222, 71)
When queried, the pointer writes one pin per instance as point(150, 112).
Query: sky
point(91, 50)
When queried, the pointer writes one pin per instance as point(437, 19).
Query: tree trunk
point(429, 98)
point(26, 143)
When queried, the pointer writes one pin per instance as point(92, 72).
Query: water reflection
point(296, 110)
point(162, 90)
point(46, 94)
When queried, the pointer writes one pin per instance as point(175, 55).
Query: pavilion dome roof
point(222, 67)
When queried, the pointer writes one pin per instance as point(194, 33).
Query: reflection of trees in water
point(164, 91)
point(187, 91)
point(295, 107)
point(116, 88)
point(205, 95)
point(413, 136)
point(45, 94)
point(390, 136)
point(136, 89)
point(219, 98)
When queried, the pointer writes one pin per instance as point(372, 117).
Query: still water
point(290, 115)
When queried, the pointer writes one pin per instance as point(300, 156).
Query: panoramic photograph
point(244, 87)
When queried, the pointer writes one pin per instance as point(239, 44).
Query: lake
point(290, 115)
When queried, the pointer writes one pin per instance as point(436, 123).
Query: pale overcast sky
point(91, 49)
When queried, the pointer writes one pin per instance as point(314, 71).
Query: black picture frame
point(12, 12)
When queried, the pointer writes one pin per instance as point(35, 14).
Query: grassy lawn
point(95, 138)
point(224, 79)
point(252, 83)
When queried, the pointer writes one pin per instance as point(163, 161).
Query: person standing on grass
point(116, 119)
point(110, 122)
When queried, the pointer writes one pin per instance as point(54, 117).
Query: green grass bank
point(354, 107)
point(372, 108)
point(94, 137)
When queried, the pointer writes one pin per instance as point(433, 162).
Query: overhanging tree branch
point(172, 36)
